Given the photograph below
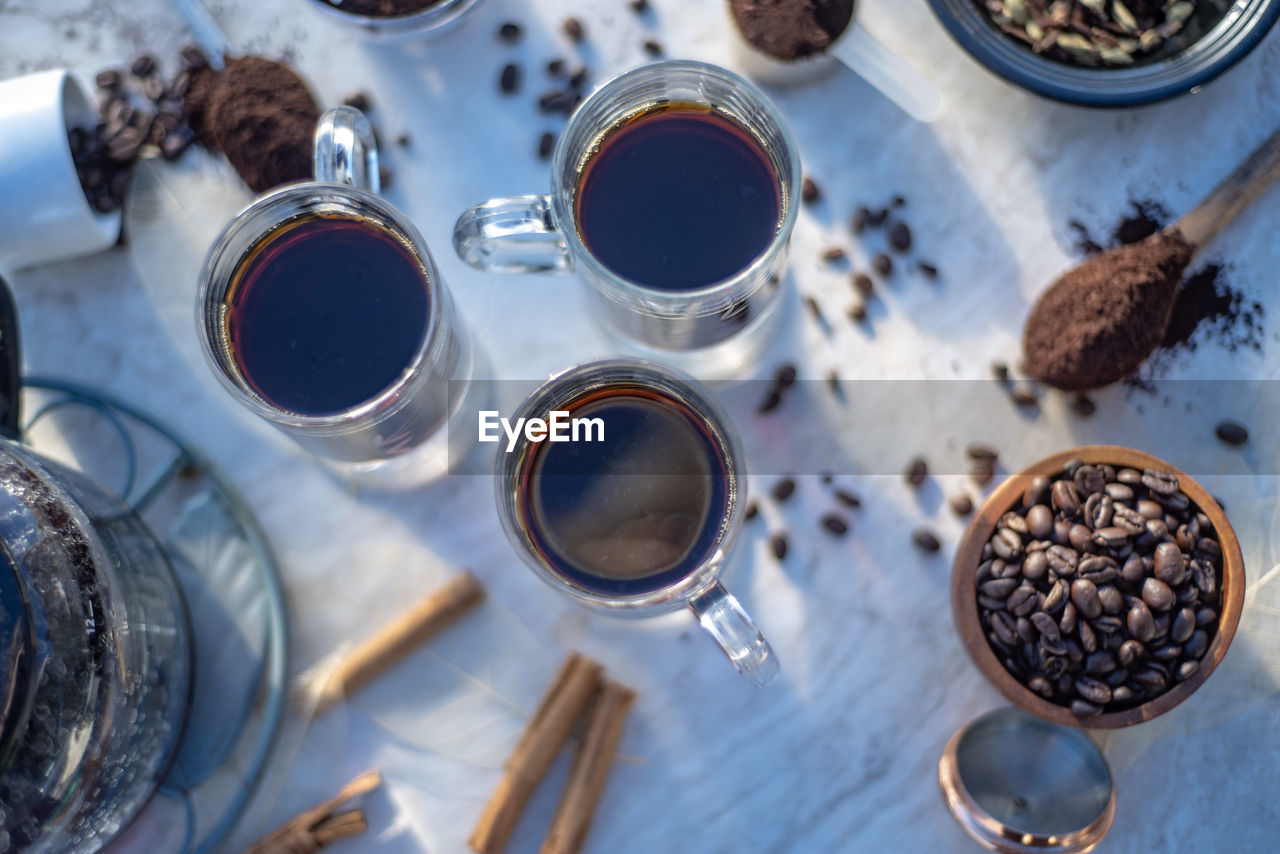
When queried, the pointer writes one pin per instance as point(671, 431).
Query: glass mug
point(716, 327)
point(643, 522)
point(395, 435)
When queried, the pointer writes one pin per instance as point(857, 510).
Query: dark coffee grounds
point(381, 8)
point(261, 115)
point(1097, 323)
point(792, 29)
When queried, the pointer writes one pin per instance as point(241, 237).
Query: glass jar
point(95, 659)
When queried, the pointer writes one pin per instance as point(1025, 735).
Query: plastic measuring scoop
point(857, 49)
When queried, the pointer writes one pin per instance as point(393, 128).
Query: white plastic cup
point(44, 215)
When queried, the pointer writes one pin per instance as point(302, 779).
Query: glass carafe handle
point(345, 150)
point(725, 620)
point(514, 235)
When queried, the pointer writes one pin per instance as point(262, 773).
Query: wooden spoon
point(1098, 322)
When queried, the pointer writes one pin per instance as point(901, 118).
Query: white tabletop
point(840, 753)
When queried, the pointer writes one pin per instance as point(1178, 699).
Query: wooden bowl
point(964, 600)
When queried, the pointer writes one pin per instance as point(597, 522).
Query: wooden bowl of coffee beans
point(1098, 587)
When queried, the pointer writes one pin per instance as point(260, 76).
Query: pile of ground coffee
point(260, 114)
point(792, 29)
point(382, 8)
point(1097, 323)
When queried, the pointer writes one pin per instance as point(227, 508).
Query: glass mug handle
point(346, 151)
point(725, 620)
point(513, 235)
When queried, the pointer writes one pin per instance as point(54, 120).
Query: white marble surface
point(840, 754)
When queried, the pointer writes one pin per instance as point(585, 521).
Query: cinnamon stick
point(590, 770)
point(310, 831)
point(374, 655)
point(575, 684)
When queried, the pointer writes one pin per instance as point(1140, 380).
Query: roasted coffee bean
point(1158, 595)
point(1050, 648)
point(359, 100)
point(574, 30)
point(1197, 644)
point(929, 271)
point(771, 401)
point(1085, 709)
point(176, 142)
point(900, 236)
point(1175, 501)
point(546, 144)
point(1132, 477)
point(1099, 508)
point(1035, 566)
point(108, 80)
point(509, 80)
point(510, 32)
point(1205, 616)
point(982, 472)
point(1080, 537)
point(1111, 537)
point(1140, 623)
point(1069, 620)
point(1168, 652)
point(1045, 625)
point(143, 66)
point(1129, 652)
point(1112, 601)
point(834, 255)
point(192, 58)
point(1036, 492)
point(1000, 568)
point(835, 525)
point(1088, 637)
point(1066, 499)
point(1022, 601)
point(125, 146)
point(1188, 595)
point(926, 540)
point(1134, 570)
point(783, 489)
point(1207, 549)
point(847, 498)
point(1093, 690)
point(1149, 509)
point(1041, 686)
point(1099, 569)
point(858, 313)
point(1062, 532)
point(554, 100)
point(861, 219)
point(962, 505)
point(989, 603)
point(1162, 622)
point(1101, 664)
point(778, 542)
point(1062, 560)
point(751, 511)
point(917, 471)
point(882, 264)
point(1231, 432)
point(1119, 492)
point(1085, 595)
point(809, 192)
point(1168, 564)
point(639, 6)
point(1040, 522)
point(1159, 482)
point(1025, 630)
point(1203, 578)
point(1054, 666)
point(1089, 479)
point(1187, 669)
point(1007, 544)
point(1150, 677)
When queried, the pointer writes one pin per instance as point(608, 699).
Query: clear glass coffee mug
point(691, 582)
point(712, 330)
point(397, 436)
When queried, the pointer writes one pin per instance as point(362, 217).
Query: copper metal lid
point(1019, 784)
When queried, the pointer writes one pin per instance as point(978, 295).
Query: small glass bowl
point(1220, 35)
point(428, 21)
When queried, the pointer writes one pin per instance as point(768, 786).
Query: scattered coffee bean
point(771, 401)
point(176, 142)
point(546, 144)
point(785, 377)
point(1231, 433)
point(639, 6)
point(834, 255)
point(783, 489)
point(848, 499)
point(403, 140)
point(192, 58)
point(1083, 406)
point(815, 310)
point(835, 524)
point(574, 30)
point(858, 313)
point(925, 540)
point(1103, 600)
point(883, 264)
point(929, 270)
point(554, 100)
point(978, 451)
point(863, 284)
point(1000, 372)
point(108, 80)
point(510, 32)
point(877, 217)
point(358, 100)
point(900, 237)
point(961, 504)
point(578, 78)
point(861, 217)
point(653, 47)
point(833, 383)
point(917, 471)
point(386, 177)
point(1024, 398)
point(556, 67)
point(509, 79)
point(809, 192)
point(778, 542)
point(143, 66)
point(751, 511)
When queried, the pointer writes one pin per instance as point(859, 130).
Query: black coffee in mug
point(325, 312)
point(633, 513)
point(678, 197)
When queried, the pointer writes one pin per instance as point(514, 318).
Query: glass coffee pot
point(95, 651)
